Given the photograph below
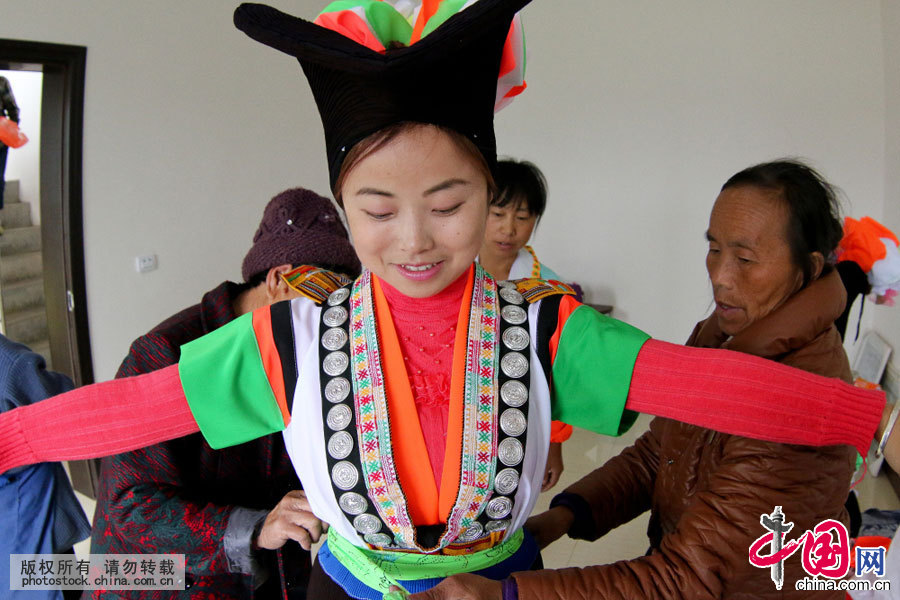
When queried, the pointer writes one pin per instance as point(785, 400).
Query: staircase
point(23, 317)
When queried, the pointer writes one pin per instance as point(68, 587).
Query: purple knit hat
point(300, 227)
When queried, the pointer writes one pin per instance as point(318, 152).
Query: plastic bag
point(10, 134)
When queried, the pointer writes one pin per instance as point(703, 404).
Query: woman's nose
point(415, 236)
point(720, 274)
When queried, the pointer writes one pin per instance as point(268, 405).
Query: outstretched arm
point(93, 421)
point(602, 366)
point(752, 397)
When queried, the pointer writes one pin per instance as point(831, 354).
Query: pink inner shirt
point(426, 330)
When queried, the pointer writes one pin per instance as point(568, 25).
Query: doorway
point(60, 181)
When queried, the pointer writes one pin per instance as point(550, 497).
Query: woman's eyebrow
point(370, 191)
point(444, 185)
point(740, 243)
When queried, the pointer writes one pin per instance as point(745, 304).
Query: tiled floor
point(583, 453)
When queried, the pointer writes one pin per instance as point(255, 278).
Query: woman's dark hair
point(520, 181)
point(814, 223)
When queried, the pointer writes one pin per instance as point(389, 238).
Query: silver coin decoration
point(512, 295)
point(344, 475)
point(353, 503)
point(499, 507)
point(498, 525)
point(335, 363)
point(515, 315)
point(514, 393)
point(339, 445)
point(339, 417)
point(338, 296)
point(335, 338)
point(378, 539)
point(512, 422)
point(506, 283)
point(514, 364)
point(367, 523)
point(506, 481)
point(471, 533)
point(514, 338)
point(337, 389)
point(510, 452)
point(335, 316)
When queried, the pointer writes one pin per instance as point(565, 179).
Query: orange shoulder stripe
point(271, 361)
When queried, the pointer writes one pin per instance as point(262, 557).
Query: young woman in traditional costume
point(416, 402)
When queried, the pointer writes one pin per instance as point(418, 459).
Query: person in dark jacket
point(771, 235)
point(9, 109)
point(225, 508)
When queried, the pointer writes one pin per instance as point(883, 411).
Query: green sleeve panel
point(226, 386)
point(592, 372)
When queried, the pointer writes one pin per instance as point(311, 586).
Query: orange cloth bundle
point(10, 134)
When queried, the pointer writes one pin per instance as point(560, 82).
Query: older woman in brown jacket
point(771, 235)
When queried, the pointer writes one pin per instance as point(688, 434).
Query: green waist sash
point(381, 569)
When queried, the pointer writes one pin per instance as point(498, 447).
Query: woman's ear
point(276, 287)
point(817, 262)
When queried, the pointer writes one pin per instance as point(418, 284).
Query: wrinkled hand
point(291, 519)
point(463, 587)
point(554, 466)
point(550, 525)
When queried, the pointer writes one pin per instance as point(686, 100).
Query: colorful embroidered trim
point(479, 447)
point(314, 283)
point(535, 263)
point(538, 289)
point(373, 422)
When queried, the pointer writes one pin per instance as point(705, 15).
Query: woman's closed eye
point(449, 210)
point(378, 216)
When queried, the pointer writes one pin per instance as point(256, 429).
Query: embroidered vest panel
point(358, 426)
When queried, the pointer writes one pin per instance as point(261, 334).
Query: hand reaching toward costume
point(554, 466)
point(463, 587)
point(550, 525)
point(291, 519)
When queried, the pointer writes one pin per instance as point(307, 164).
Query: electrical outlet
point(145, 263)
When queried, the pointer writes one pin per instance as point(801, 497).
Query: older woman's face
point(749, 259)
point(417, 209)
point(508, 229)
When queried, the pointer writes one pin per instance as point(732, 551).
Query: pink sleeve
point(97, 420)
point(752, 397)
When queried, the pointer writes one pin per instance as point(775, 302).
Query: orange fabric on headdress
point(862, 242)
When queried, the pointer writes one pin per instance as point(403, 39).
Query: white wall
point(637, 111)
point(23, 163)
point(887, 319)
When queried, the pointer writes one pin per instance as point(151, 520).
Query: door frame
point(62, 235)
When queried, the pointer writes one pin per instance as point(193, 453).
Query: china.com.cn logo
point(825, 552)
